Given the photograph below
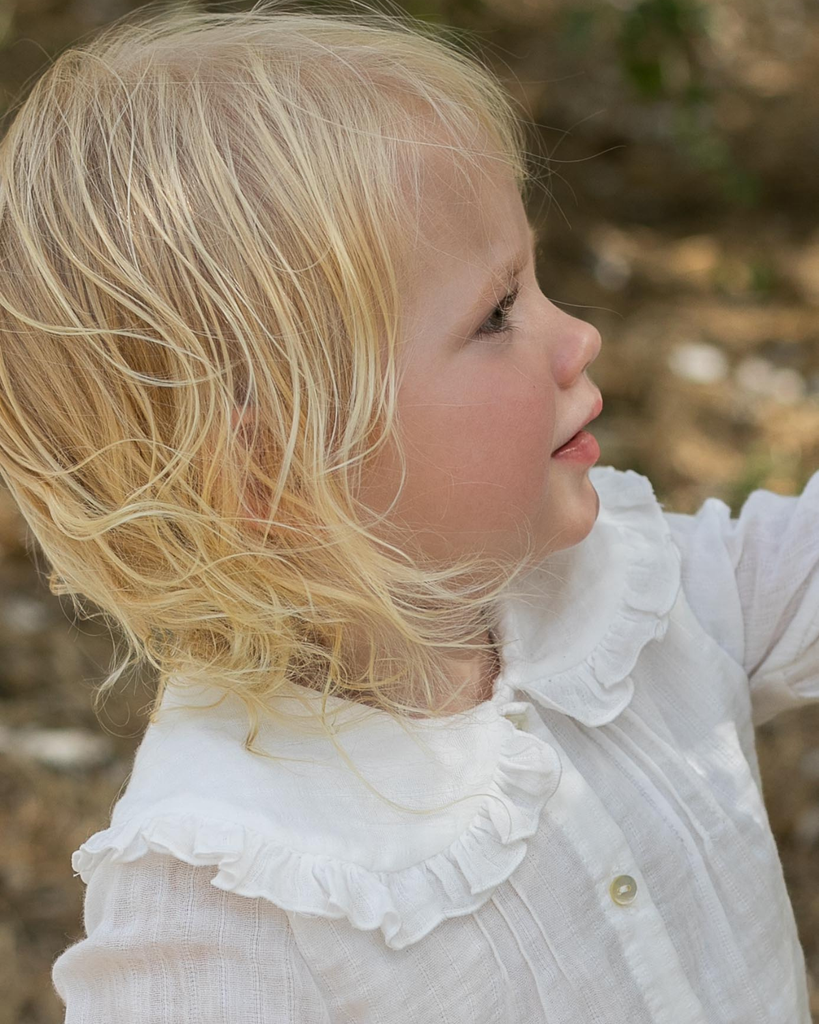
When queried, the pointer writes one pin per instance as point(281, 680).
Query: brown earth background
point(680, 217)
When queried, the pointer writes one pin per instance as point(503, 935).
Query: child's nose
point(593, 342)
point(581, 351)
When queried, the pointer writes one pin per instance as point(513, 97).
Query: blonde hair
point(204, 215)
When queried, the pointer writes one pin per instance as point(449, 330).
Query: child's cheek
point(511, 443)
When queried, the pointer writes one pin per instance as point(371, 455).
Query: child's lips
point(597, 408)
point(583, 447)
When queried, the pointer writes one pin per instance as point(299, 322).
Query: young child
point(282, 395)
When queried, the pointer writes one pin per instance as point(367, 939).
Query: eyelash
point(502, 309)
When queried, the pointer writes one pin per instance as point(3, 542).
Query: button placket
point(603, 848)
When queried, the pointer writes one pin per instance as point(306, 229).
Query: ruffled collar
point(312, 837)
point(573, 637)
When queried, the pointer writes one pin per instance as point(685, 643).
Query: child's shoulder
point(307, 834)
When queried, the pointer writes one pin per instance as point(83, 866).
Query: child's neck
point(478, 673)
point(483, 669)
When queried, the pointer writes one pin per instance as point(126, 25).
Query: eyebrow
point(512, 267)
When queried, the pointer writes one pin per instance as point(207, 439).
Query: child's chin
point(585, 512)
point(579, 509)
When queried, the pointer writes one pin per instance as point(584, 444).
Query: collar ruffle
point(276, 835)
point(313, 840)
point(574, 637)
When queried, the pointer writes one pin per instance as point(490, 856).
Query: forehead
point(470, 215)
point(468, 198)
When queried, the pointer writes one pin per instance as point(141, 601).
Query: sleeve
point(164, 945)
point(753, 583)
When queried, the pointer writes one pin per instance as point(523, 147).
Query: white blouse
point(610, 859)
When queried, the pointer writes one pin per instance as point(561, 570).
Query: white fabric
point(167, 947)
point(619, 740)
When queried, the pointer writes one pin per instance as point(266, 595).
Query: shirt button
point(623, 889)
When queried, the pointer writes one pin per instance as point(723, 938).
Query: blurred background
point(681, 217)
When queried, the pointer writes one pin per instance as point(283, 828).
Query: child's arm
point(753, 583)
point(164, 946)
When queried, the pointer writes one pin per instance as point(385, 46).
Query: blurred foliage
point(658, 47)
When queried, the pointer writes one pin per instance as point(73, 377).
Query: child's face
point(481, 415)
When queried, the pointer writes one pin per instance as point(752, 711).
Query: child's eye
point(498, 321)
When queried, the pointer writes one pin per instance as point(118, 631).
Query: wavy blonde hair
point(203, 228)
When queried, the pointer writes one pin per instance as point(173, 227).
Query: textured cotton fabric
point(609, 858)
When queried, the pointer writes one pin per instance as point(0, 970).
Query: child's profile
point(451, 723)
